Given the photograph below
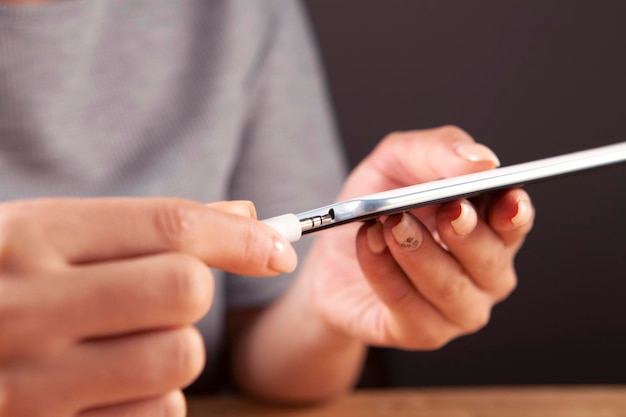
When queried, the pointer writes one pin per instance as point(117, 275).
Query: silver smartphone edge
point(406, 198)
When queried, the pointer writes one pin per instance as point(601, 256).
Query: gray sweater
point(205, 100)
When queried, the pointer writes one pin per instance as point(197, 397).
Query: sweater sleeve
point(290, 159)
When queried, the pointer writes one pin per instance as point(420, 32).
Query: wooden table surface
point(535, 401)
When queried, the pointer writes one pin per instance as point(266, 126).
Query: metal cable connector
point(315, 221)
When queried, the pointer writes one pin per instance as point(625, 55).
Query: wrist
point(315, 326)
point(293, 354)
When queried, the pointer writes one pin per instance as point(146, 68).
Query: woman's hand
point(98, 298)
point(418, 280)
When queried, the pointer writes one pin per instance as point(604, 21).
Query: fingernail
point(284, 258)
point(466, 221)
point(407, 233)
point(524, 212)
point(476, 152)
point(376, 239)
point(243, 208)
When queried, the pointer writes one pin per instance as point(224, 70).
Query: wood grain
point(535, 401)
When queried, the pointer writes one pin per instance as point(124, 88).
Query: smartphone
point(371, 206)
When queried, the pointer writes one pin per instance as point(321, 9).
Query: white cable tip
point(288, 225)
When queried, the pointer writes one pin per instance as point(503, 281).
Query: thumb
point(414, 157)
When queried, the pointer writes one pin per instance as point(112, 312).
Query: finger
point(419, 156)
point(106, 299)
point(436, 273)
point(410, 321)
point(100, 373)
point(477, 247)
point(172, 404)
point(114, 371)
point(511, 214)
point(83, 231)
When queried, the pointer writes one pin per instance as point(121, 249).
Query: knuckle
point(17, 393)
point(393, 136)
point(429, 341)
point(490, 265)
point(188, 354)
point(453, 132)
point(24, 242)
point(477, 319)
point(453, 289)
point(420, 338)
point(393, 142)
point(189, 287)
point(22, 325)
point(498, 259)
point(173, 404)
point(507, 285)
point(174, 222)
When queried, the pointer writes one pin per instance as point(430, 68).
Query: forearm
point(290, 355)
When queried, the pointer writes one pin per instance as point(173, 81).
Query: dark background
point(530, 79)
